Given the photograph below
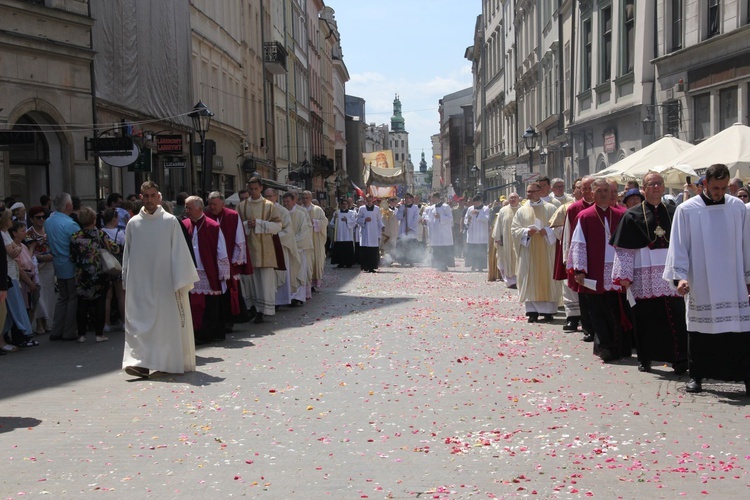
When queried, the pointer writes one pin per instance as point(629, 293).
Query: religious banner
point(381, 175)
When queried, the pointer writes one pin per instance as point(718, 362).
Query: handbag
point(110, 264)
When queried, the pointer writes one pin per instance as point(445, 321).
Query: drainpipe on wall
point(97, 167)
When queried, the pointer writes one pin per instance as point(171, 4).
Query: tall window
point(702, 116)
point(606, 60)
point(628, 36)
point(676, 24)
point(586, 57)
point(728, 107)
point(714, 23)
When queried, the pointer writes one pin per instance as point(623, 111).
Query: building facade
point(47, 104)
point(596, 80)
point(457, 144)
point(702, 68)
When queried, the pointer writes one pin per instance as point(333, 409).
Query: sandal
point(8, 348)
point(29, 343)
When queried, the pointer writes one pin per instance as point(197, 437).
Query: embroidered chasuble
point(536, 254)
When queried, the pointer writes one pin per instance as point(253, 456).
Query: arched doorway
point(31, 171)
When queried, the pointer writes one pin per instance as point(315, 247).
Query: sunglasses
point(742, 196)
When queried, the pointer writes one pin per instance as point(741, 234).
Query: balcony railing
point(274, 56)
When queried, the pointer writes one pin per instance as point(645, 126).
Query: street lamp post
point(529, 141)
point(201, 117)
point(475, 174)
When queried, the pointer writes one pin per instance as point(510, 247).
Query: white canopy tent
point(675, 177)
point(639, 163)
point(731, 147)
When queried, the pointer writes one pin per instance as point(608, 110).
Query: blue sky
point(411, 47)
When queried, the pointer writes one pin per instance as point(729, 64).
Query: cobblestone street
point(403, 384)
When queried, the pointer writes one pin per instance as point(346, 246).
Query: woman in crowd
point(17, 314)
point(37, 239)
point(116, 235)
point(91, 282)
point(743, 194)
point(27, 269)
point(18, 211)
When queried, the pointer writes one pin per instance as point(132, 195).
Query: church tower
point(397, 121)
point(398, 136)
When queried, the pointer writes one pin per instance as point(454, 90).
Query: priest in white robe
point(438, 218)
point(287, 280)
point(301, 227)
point(343, 222)
point(535, 247)
point(476, 222)
point(370, 222)
point(158, 272)
point(408, 217)
point(503, 238)
point(320, 235)
point(709, 262)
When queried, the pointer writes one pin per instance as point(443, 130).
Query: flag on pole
point(358, 190)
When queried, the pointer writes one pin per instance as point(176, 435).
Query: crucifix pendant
point(659, 232)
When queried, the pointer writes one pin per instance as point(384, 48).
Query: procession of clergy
point(673, 281)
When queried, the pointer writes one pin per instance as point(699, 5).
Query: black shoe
point(747, 387)
point(644, 367)
point(694, 386)
point(606, 355)
point(533, 318)
point(252, 312)
point(296, 303)
point(571, 325)
point(588, 338)
point(313, 289)
point(137, 371)
point(546, 318)
point(512, 287)
point(258, 318)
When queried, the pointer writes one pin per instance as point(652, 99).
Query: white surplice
point(343, 224)
point(439, 221)
point(369, 235)
point(158, 272)
point(477, 225)
point(710, 248)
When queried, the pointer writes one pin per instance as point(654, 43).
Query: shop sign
point(610, 141)
point(169, 144)
point(175, 162)
point(112, 146)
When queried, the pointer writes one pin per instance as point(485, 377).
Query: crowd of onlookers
point(32, 241)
